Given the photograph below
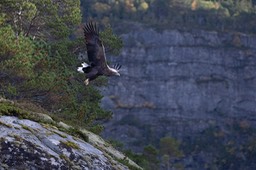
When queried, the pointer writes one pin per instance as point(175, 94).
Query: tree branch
point(31, 23)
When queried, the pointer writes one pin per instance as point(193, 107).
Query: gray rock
point(179, 83)
point(26, 144)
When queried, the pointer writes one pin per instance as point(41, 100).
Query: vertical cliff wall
point(179, 83)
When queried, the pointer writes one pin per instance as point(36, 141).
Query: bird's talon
point(86, 82)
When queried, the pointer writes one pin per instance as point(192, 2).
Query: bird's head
point(117, 73)
point(116, 69)
point(114, 72)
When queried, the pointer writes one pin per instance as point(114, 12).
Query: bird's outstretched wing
point(95, 48)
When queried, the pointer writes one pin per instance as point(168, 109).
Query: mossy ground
point(71, 144)
point(8, 108)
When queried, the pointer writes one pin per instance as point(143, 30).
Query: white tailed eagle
point(97, 65)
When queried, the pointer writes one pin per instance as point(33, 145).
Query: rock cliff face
point(30, 140)
point(177, 84)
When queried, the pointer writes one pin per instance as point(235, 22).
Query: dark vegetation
point(40, 42)
point(10, 108)
point(223, 15)
point(215, 147)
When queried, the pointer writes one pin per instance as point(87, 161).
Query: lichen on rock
point(31, 144)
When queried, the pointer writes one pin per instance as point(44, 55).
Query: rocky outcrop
point(31, 140)
point(178, 83)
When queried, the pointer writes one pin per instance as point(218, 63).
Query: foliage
point(170, 146)
point(113, 42)
point(70, 144)
point(214, 148)
point(116, 144)
point(182, 14)
point(126, 162)
point(38, 60)
point(11, 110)
point(138, 158)
point(148, 159)
point(49, 19)
point(151, 156)
point(224, 147)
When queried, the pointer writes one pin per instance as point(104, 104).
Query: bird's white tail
point(84, 65)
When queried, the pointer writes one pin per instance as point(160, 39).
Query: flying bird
point(97, 65)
